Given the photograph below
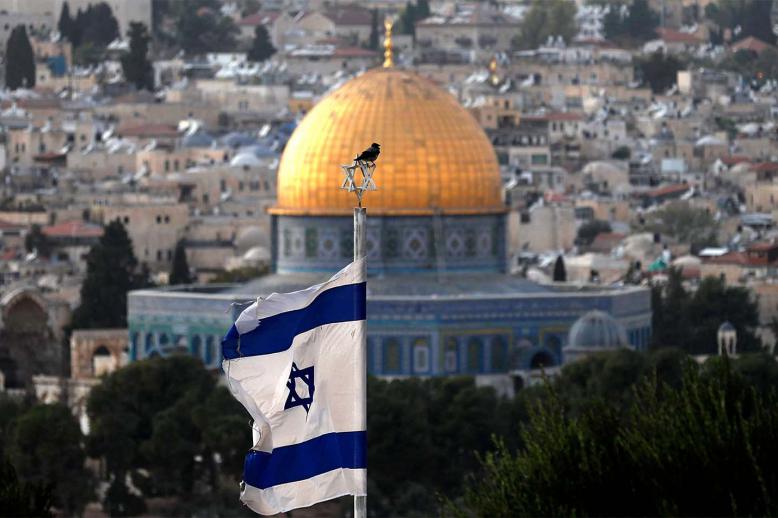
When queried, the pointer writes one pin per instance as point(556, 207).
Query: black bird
point(370, 154)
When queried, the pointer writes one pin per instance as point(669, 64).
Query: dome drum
point(395, 244)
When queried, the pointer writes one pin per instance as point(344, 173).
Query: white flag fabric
point(296, 362)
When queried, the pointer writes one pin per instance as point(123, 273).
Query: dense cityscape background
point(572, 254)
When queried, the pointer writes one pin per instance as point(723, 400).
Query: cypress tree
point(560, 273)
point(180, 273)
point(135, 64)
point(112, 271)
point(99, 25)
point(20, 61)
point(261, 48)
point(77, 28)
point(374, 36)
point(65, 24)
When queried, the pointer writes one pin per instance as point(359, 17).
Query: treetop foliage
point(112, 271)
point(690, 321)
point(135, 64)
point(20, 61)
point(704, 448)
point(546, 18)
point(631, 23)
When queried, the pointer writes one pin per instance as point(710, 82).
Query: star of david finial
point(350, 178)
point(294, 398)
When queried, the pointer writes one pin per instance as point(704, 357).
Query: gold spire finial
point(388, 63)
point(495, 79)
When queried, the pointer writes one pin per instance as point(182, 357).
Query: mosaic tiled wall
point(394, 244)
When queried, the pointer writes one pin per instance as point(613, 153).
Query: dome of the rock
point(435, 158)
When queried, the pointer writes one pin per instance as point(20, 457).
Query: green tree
point(36, 240)
point(715, 303)
point(112, 271)
point(65, 24)
point(48, 451)
point(261, 48)
point(97, 25)
point(373, 43)
point(77, 29)
point(201, 30)
point(154, 419)
point(411, 14)
point(89, 54)
point(21, 499)
point(589, 230)
point(755, 67)
point(622, 153)
point(19, 60)
point(180, 272)
point(684, 223)
point(691, 321)
point(670, 313)
point(447, 420)
point(751, 16)
point(671, 452)
point(546, 18)
point(659, 70)
point(560, 274)
point(634, 25)
point(136, 64)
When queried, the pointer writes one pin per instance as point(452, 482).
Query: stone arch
point(102, 361)
point(23, 310)
point(97, 352)
point(541, 359)
point(28, 345)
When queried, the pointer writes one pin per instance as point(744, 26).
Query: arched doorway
point(541, 360)
point(27, 344)
point(102, 361)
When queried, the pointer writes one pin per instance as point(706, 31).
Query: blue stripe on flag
point(306, 459)
point(275, 334)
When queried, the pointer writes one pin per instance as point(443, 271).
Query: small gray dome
point(726, 326)
point(597, 330)
point(197, 139)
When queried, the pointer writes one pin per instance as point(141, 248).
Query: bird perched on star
point(370, 154)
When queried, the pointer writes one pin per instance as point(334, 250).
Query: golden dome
point(434, 155)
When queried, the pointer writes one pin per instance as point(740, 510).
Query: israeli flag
point(296, 362)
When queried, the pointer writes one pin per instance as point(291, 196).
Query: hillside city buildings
point(496, 161)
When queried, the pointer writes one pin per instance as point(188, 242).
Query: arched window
point(451, 355)
point(499, 354)
point(475, 355)
point(541, 360)
point(196, 347)
point(421, 355)
point(102, 362)
point(164, 341)
point(211, 354)
point(148, 344)
point(392, 356)
point(134, 342)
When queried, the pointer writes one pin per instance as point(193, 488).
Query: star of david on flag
point(294, 399)
point(300, 374)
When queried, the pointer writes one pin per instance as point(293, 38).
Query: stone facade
point(28, 342)
point(426, 335)
point(95, 352)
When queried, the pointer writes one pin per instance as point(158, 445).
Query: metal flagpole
point(360, 250)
